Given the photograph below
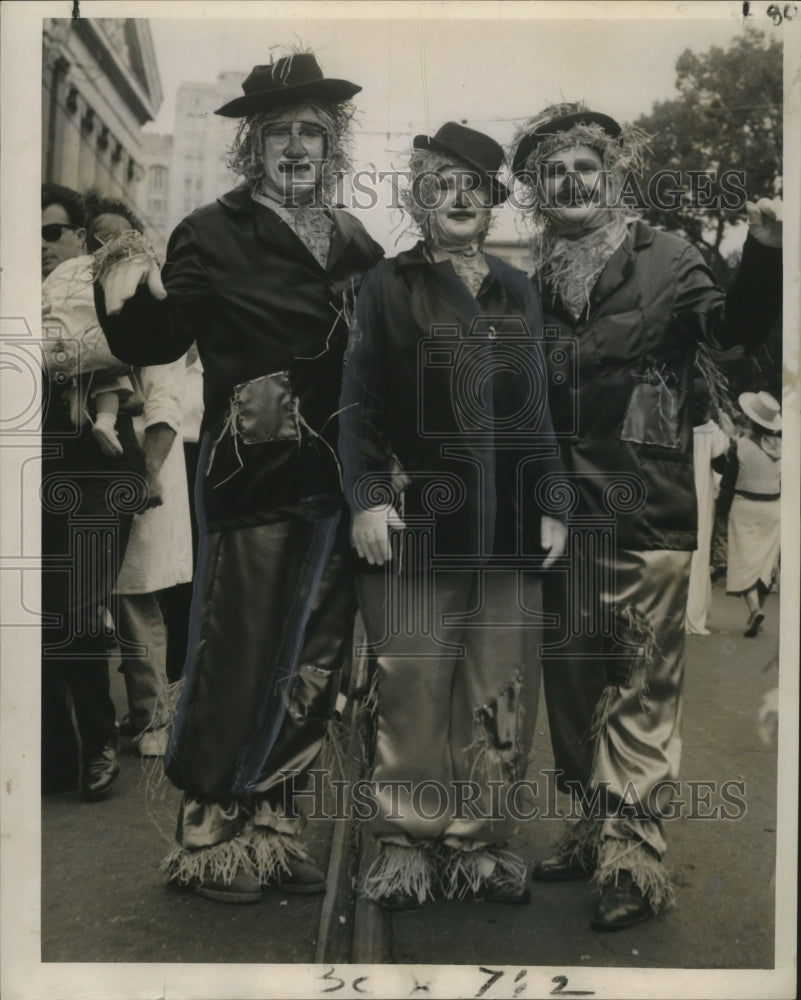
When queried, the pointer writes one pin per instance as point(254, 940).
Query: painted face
point(60, 239)
point(294, 153)
point(573, 185)
point(462, 215)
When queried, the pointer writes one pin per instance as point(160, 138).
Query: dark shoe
point(560, 868)
point(621, 906)
point(755, 620)
point(399, 901)
point(303, 877)
point(243, 888)
point(100, 771)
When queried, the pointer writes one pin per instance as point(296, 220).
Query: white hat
point(762, 408)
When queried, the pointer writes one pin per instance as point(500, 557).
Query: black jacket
point(455, 388)
point(243, 285)
point(621, 378)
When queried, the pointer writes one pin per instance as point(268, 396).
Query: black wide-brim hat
point(553, 126)
point(474, 148)
point(292, 79)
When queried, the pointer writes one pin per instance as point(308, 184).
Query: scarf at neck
point(468, 262)
point(311, 224)
point(572, 265)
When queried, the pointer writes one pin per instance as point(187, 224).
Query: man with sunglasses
point(63, 229)
point(84, 538)
point(263, 281)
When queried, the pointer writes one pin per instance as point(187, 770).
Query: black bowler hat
point(473, 148)
point(553, 126)
point(294, 78)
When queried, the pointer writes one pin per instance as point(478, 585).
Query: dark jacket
point(243, 285)
point(621, 378)
point(455, 388)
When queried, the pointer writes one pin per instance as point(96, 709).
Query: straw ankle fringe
point(467, 872)
point(220, 861)
point(262, 854)
point(647, 871)
point(581, 843)
point(156, 783)
point(272, 853)
point(407, 870)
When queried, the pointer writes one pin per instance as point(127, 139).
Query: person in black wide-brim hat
point(262, 280)
point(454, 713)
point(292, 79)
point(639, 305)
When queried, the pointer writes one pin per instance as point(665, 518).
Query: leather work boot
point(303, 877)
point(100, 770)
point(622, 905)
point(559, 868)
point(243, 888)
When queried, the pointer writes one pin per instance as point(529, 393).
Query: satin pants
point(614, 694)
point(457, 680)
point(271, 628)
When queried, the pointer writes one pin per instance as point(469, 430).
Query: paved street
point(103, 899)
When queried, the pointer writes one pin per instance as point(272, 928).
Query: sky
point(488, 70)
point(484, 65)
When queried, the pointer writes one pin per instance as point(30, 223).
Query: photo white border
point(23, 976)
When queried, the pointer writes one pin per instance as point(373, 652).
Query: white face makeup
point(573, 185)
point(462, 215)
point(294, 153)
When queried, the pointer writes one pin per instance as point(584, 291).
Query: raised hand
point(123, 278)
point(765, 221)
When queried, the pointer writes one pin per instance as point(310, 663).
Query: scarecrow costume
point(637, 304)
point(264, 287)
point(445, 418)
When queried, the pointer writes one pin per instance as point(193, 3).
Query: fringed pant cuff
point(647, 870)
point(407, 870)
point(189, 866)
point(466, 873)
point(260, 853)
point(581, 843)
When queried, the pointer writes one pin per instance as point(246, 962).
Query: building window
point(158, 178)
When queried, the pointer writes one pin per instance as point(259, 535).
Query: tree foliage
point(727, 116)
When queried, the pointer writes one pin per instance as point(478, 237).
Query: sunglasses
point(51, 233)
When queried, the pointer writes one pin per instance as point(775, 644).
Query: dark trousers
point(272, 628)
point(88, 504)
point(176, 602)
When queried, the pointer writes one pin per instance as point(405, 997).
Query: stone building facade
point(100, 85)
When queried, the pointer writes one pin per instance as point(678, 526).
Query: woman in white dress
point(754, 518)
